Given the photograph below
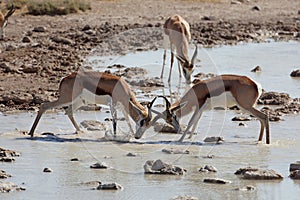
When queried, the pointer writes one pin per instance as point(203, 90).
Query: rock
point(62, 40)
point(242, 124)
point(216, 181)
point(205, 76)
point(109, 186)
point(74, 159)
point(31, 69)
point(256, 8)
point(26, 39)
point(164, 128)
point(295, 174)
point(175, 151)
point(3, 174)
point(274, 98)
point(246, 188)
point(9, 187)
point(241, 171)
point(47, 170)
point(20, 98)
point(208, 168)
point(131, 72)
point(131, 154)
point(7, 159)
point(39, 29)
point(93, 125)
point(185, 197)
point(256, 69)
point(214, 139)
point(86, 27)
point(295, 73)
point(295, 166)
point(101, 165)
point(147, 82)
point(159, 167)
point(7, 152)
point(241, 118)
point(258, 174)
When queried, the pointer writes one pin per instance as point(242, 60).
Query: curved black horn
point(168, 104)
point(151, 103)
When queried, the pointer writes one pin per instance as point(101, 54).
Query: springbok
point(220, 91)
point(81, 88)
point(4, 20)
point(178, 32)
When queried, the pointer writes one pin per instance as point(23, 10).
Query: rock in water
point(109, 186)
point(216, 181)
point(160, 167)
point(258, 174)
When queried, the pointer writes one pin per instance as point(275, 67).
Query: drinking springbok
point(177, 30)
point(220, 91)
point(81, 88)
point(4, 20)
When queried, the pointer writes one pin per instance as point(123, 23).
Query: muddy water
point(238, 150)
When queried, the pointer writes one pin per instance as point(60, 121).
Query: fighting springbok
point(81, 88)
point(220, 91)
point(4, 20)
point(177, 30)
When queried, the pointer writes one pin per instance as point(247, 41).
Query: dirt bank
point(39, 50)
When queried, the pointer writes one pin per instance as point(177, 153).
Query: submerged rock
point(208, 168)
point(9, 187)
point(3, 174)
point(109, 186)
point(7, 153)
point(93, 125)
point(295, 174)
point(185, 197)
point(295, 166)
point(256, 69)
point(216, 181)
point(47, 170)
point(101, 165)
point(159, 167)
point(295, 73)
point(7, 159)
point(246, 188)
point(164, 128)
point(258, 174)
point(175, 151)
point(214, 139)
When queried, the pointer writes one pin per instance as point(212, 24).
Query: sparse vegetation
point(56, 7)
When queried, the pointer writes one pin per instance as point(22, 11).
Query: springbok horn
point(10, 12)
point(149, 108)
point(195, 54)
point(168, 104)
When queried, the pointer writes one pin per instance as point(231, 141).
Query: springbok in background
point(220, 91)
point(81, 88)
point(4, 20)
point(178, 32)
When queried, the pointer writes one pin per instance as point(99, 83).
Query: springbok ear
point(135, 108)
point(179, 106)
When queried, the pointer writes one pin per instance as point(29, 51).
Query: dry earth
point(39, 50)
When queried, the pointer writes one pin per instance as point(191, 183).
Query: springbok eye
point(142, 122)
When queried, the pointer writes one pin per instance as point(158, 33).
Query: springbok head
point(145, 121)
point(188, 65)
point(4, 20)
point(168, 115)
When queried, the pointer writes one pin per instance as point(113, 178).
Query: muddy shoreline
point(38, 51)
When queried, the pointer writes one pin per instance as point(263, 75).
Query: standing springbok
point(4, 20)
point(80, 88)
point(178, 32)
point(220, 91)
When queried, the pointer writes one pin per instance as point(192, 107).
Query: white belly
point(95, 99)
point(224, 100)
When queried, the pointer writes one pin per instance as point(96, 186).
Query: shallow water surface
point(238, 150)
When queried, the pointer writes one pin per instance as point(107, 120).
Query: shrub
point(56, 7)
